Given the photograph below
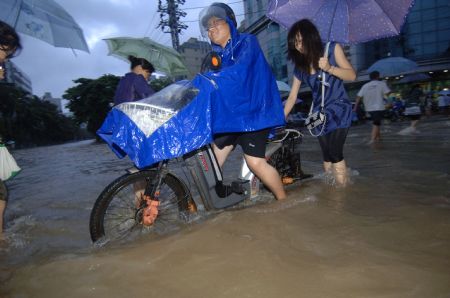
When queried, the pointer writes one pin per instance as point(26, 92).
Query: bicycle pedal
point(287, 180)
point(191, 207)
point(150, 212)
point(238, 187)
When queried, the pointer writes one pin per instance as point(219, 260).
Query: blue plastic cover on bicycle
point(185, 115)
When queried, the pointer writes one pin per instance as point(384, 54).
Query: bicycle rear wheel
point(286, 161)
point(117, 213)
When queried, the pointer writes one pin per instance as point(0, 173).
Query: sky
point(53, 69)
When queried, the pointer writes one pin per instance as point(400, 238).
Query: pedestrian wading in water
point(306, 50)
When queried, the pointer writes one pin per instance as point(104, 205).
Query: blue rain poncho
point(241, 97)
point(248, 98)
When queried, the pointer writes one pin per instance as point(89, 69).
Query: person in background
point(9, 45)
point(372, 94)
point(428, 104)
point(444, 103)
point(247, 95)
point(413, 102)
point(133, 86)
point(306, 51)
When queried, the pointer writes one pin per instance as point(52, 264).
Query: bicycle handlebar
point(296, 134)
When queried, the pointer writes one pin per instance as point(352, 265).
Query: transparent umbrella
point(45, 20)
point(163, 58)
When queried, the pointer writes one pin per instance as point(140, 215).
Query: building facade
point(425, 39)
point(193, 52)
point(425, 36)
point(271, 37)
point(15, 76)
point(55, 101)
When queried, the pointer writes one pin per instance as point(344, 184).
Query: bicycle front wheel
point(117, 213)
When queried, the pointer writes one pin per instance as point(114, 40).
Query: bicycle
point(120, 209)
point(157, 199)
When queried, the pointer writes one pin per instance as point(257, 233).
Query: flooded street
point(386, 235)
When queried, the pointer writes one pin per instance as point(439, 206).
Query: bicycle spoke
point(119, 210)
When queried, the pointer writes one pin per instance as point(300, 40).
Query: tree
point(9, 96)
point(29, 121)
point(161, 83)
point(90, 100)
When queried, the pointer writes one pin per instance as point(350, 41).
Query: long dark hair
point(311, 42)
point(142, 62)
point(9, 39)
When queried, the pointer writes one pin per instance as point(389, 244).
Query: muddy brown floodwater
point(386, 235)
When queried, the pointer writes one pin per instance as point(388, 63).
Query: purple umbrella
point(344, 21)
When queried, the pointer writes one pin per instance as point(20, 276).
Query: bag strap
point(324, 83)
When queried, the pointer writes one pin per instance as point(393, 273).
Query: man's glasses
point(214, 23)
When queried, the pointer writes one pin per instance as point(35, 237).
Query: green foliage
point(161, 83)
point(90, 100)
point(29, 121)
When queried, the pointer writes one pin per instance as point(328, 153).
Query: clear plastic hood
point(152, 112)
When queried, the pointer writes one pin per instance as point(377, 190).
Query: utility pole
point(170, 19)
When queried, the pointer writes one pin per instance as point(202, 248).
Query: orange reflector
point(214, 61)
point(287, 180)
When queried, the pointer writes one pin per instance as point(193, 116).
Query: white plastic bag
point(8, 165)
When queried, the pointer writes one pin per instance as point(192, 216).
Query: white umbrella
point(45, 20)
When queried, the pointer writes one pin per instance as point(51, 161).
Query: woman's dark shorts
point(413, 117)
point(253, 143)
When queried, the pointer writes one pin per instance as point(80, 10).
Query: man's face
point(218, 31)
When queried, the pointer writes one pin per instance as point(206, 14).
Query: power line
point(151, 23)
point(189, 8)
point(171, 24)
point(238, 15)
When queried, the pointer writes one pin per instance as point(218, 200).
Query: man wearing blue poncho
point(236, 105)
point(246, 104)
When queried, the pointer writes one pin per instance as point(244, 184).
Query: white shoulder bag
point(318, 118)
